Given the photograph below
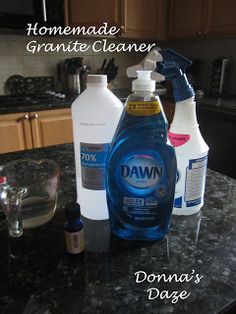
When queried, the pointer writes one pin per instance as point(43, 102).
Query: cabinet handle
point(34, 116)
point(23, 118)
point(206, 32)
point(199, 33)
point(122, 30)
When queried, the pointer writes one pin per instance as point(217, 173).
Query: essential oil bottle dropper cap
point(144, 82)
point(72, 210)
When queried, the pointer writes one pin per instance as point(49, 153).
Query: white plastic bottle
point(191, 154)
point(95, 114)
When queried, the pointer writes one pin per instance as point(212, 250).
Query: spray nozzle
point(173, 67)
point(180, 61)
point(166, 64)
point(169, 69)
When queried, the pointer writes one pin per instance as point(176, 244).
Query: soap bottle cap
point(97, 79)
point(144, 82)
point(72, 211)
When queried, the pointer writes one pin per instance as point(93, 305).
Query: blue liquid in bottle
point(141, 171)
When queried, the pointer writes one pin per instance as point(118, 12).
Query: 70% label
point(88, 157)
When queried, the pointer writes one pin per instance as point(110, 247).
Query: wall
point(15, 59)
point(207, 50)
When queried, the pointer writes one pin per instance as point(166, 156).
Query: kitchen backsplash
point(15, 59)
point(208, 50)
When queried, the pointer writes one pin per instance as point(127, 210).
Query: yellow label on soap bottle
point(143, 108)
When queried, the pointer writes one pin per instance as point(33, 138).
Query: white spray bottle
point(184, 134)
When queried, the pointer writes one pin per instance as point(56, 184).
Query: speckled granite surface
point(221, 104)
point(225, 106)
point(42, 278)
point(34, 105)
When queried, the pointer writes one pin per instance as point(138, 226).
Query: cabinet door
point(221, 18)
point(92, 12)
point(145, 19)
point(51, 127)
point(15, 133)
point(187, 18)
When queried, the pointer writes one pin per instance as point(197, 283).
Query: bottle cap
point(72, 210)
point(144, 82)
point(100, 79)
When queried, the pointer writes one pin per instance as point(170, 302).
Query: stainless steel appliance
point(16, 14)
point(73, 75)
point(18, 85)
point(20, 91)
point(219, 75)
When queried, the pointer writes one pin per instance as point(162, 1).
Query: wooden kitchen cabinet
point(92, 12)
point(190, 18)
point(15, 132)
point(20, 131)
point(144, 18)
point(221, 18)
point(187, 18)
point(51, 127)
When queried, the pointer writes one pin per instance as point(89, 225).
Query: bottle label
point(93, 165)
point(143, 108)
point(178, 139)
point(195, 181)
point(3, 180)
point(75, 241)
point(142, 179)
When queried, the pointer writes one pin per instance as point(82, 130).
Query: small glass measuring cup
point(28, 192)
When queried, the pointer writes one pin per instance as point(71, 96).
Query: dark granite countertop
point(225, 105)
point(218, 105)
point(43, 278)
point(34, 105)
point(222, 105)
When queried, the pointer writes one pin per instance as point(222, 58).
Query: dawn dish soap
point(141, 167)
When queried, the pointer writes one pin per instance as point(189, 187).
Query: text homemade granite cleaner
point(141, 167)
point(95, 115)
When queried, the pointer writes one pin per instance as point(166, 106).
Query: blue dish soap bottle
point(141, 167)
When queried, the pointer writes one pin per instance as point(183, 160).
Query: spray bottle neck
point(182, 89)
point(185, 114)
